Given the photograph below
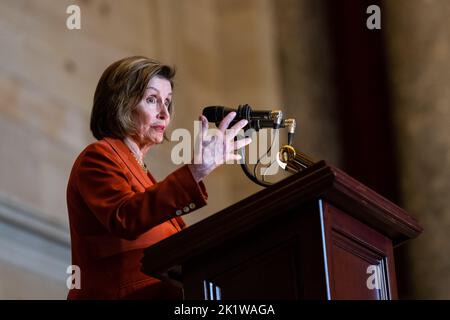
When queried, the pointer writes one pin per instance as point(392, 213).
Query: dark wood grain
point(270, 245)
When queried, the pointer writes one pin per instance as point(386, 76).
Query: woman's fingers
point(234, 130)
point(198, 141)
point(233, 157)
point(226, 121)
point(222, 147)
point(218, 148)
point(242, 143)
point(204, 121)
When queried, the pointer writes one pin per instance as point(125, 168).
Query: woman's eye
point(168, 103)
point(151, 100)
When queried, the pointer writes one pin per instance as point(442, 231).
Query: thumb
point(198, 142)
point(204, 121)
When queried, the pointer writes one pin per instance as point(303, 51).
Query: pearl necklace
point(140, 162)
point(133, 152)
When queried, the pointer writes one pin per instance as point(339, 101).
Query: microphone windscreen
point(214, 113)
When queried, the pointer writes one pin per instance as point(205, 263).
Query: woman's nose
point(163, 112)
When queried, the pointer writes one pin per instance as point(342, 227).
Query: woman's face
point(151, 115)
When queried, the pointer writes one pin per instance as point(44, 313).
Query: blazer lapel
point(150, 176)
point(127, 157)
point(145, 179)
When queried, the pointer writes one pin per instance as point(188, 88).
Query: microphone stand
point(287, 158)
point(292, 160)
point(248, 173)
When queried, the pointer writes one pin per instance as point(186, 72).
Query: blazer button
point(192, 205)
point(178, 212)
point(186, 209)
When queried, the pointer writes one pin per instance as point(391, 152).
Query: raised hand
point(215, 149)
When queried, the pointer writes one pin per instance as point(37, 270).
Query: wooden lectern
point(318, 234)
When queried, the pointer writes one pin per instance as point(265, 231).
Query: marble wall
point(267, 53)
point(225, 53)
point(47, 78)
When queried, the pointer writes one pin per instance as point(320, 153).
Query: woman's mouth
point(159, 128)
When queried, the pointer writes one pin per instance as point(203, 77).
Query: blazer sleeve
point(105, 187)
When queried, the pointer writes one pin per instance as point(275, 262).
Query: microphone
point(257, 119)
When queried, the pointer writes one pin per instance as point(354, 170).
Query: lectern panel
point(359, 258)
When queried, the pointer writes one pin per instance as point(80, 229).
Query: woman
point(116, 208)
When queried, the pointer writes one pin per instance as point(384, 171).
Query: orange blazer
point(115, 211)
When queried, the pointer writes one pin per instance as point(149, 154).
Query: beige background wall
point(266, 53)
point(49, 74)
point(418, 46)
